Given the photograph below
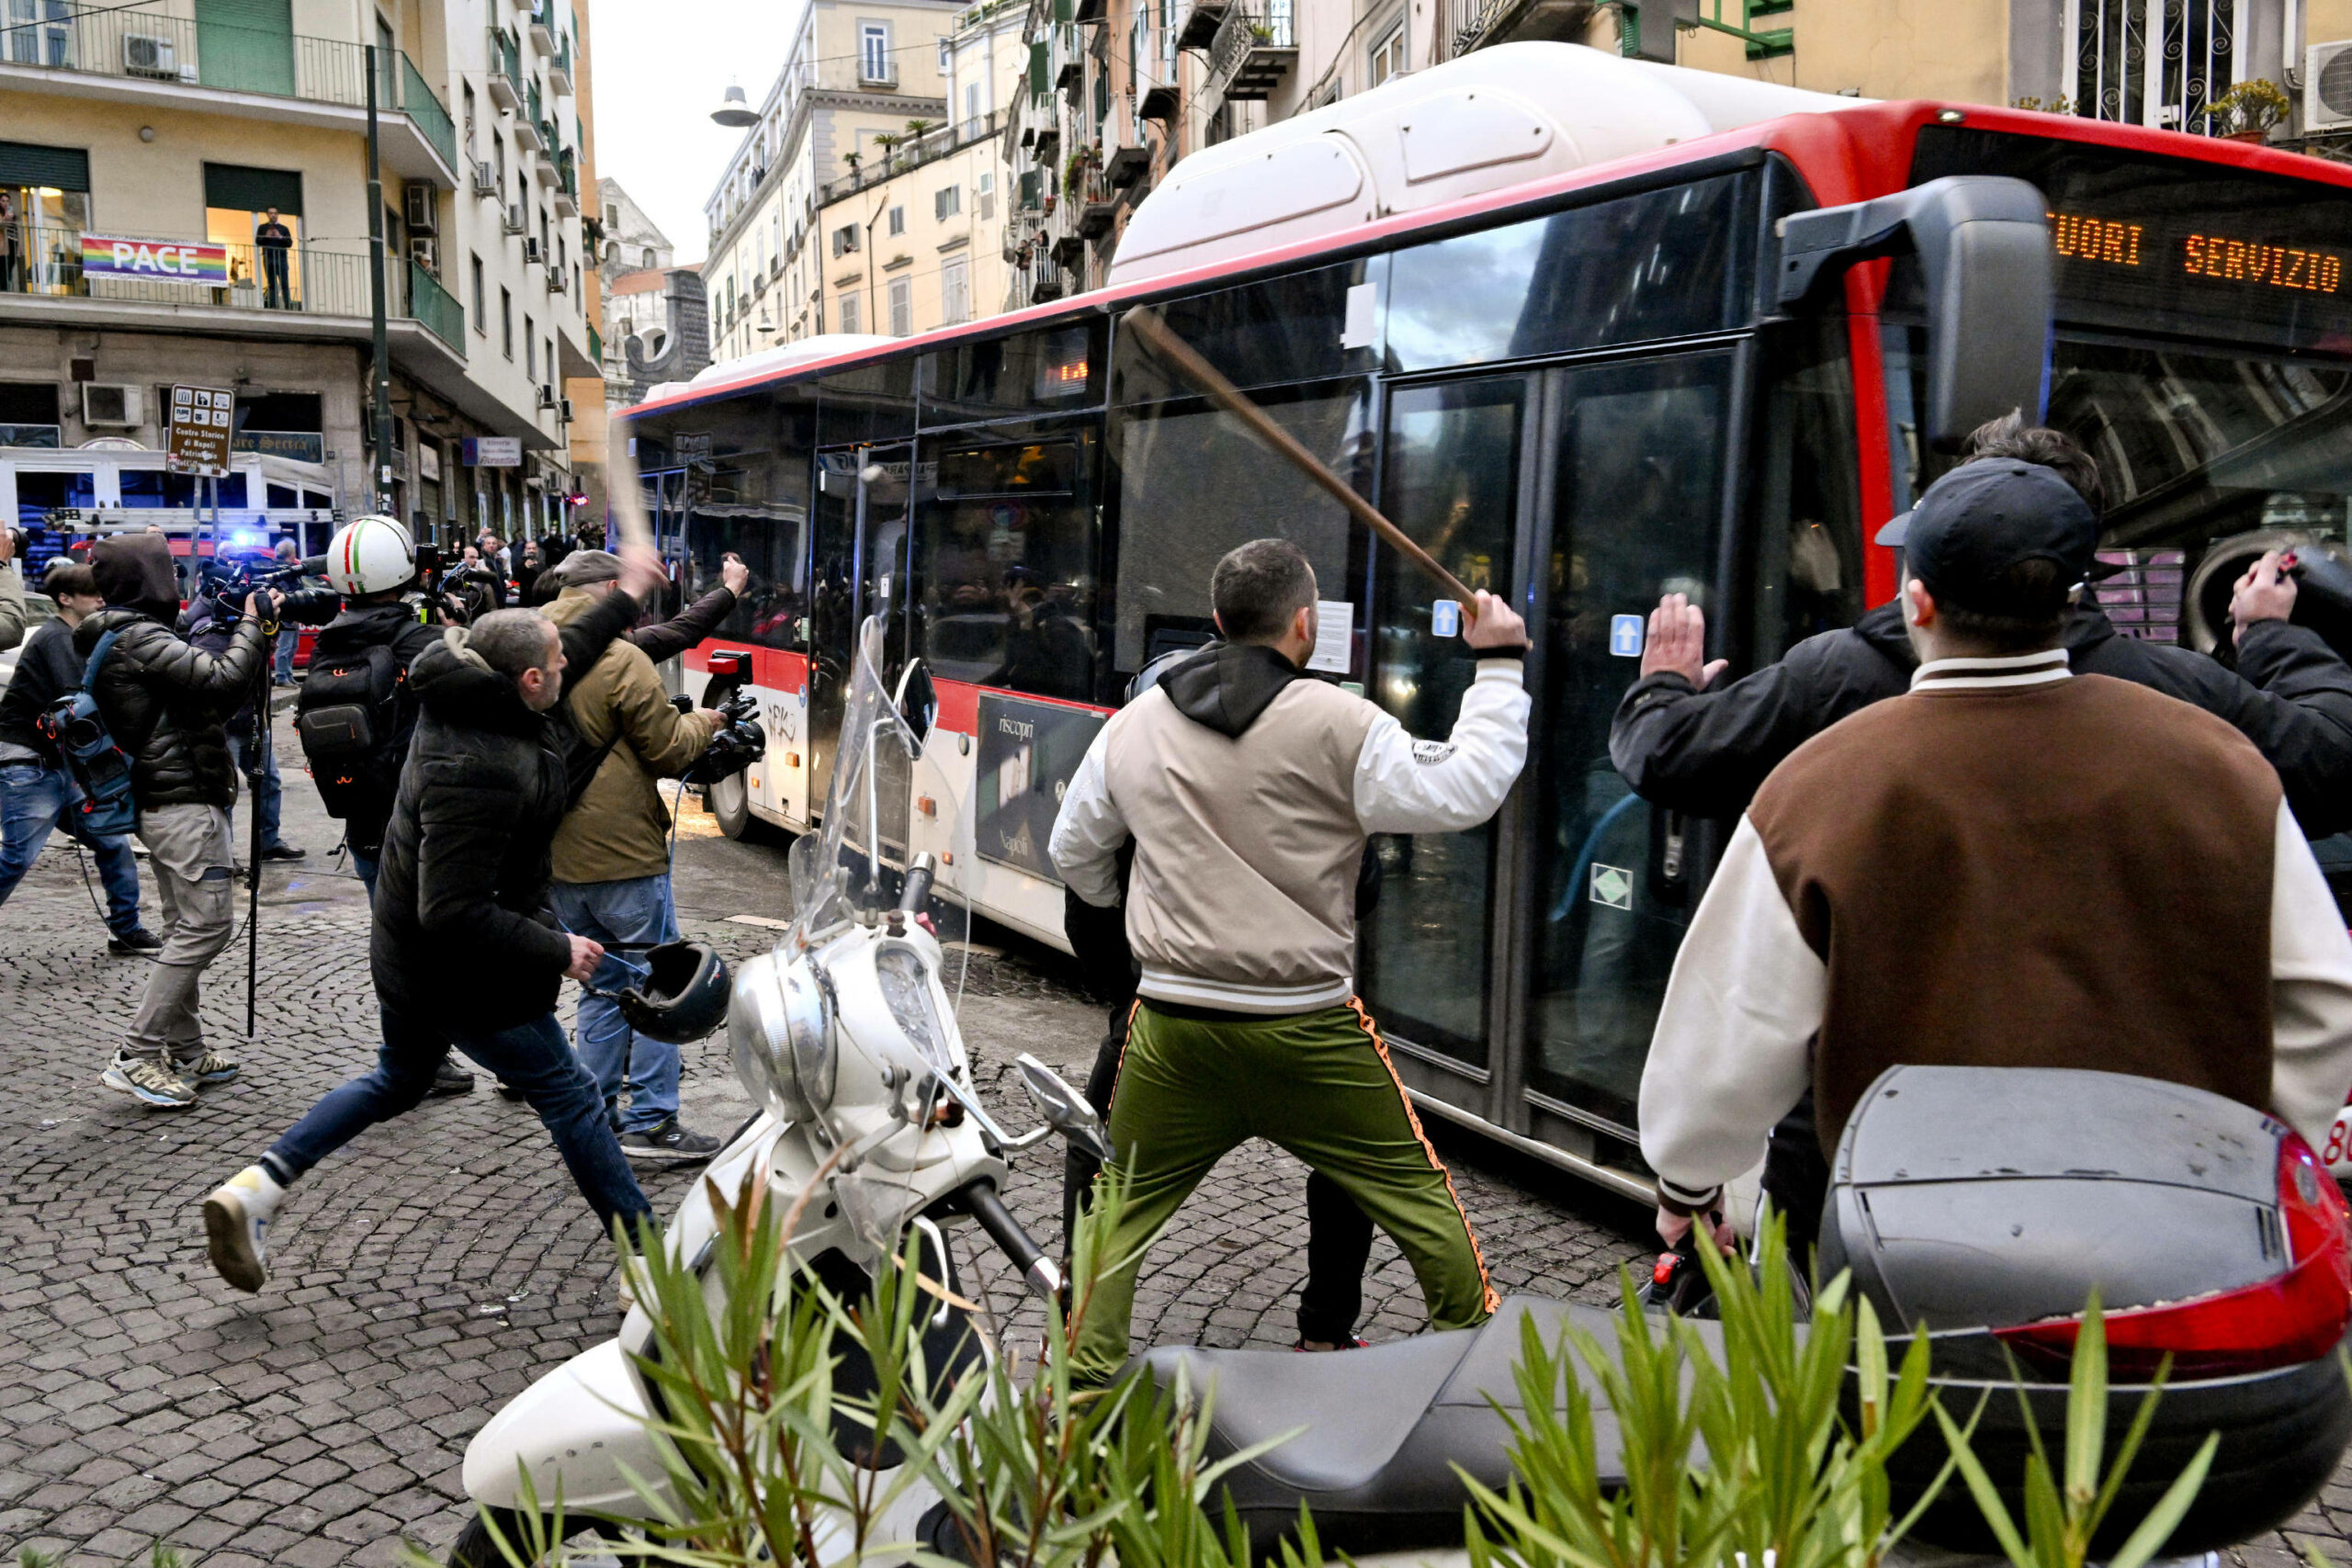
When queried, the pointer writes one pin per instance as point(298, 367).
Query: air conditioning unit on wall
point(103, 403)
point(422, 212)
point(143, 54)
point(2327, 86)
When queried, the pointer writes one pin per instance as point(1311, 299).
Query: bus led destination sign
point(2118, 244)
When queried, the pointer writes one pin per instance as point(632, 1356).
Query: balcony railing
point(1254, 49)
point(435, 306)
point(153, 47)
point(43, 259)
point(927, 148)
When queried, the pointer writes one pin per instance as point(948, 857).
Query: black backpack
point(349, 715)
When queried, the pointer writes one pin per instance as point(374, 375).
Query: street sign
point(196, 439)
point(104, 255)
point(494, 452)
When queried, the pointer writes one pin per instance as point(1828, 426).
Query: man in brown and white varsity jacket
point(2011, 866)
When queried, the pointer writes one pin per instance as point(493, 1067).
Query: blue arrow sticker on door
point(1625, 635)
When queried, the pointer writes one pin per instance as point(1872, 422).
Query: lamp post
point(376, 282)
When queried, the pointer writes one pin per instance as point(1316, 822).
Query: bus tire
point(728, 800)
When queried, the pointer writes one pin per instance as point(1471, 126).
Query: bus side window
point(1004, 566)
point(1173, 527)
point(1808, 502)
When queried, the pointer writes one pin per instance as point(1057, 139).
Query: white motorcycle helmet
point(370, 554)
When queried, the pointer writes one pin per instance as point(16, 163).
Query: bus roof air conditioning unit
point(103, 403)
point(2327, 86)
point(143, 54)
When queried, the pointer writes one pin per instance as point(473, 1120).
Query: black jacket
point(47, 669)
point(461, 935)
point(164, 700)
point(688, 628)
point(1706, 753)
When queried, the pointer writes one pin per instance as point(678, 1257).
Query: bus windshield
point(2204, 357)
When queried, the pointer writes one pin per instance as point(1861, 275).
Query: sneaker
point(281, 852)
point(668, 1144)
point(145, 1078)
point(206, 1069)
point(136, 943)
point(1349, 1342)
point(236, 1227)
point(450, 1078)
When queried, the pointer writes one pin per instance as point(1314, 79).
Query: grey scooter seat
point(1379, 1430)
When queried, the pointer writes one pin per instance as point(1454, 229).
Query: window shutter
point(58, 168)
point(1040, 70)
point(241, 189)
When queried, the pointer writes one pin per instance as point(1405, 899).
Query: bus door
point(1634, 503)
point(832, 611)
point(886, 485)
point(1458, 475)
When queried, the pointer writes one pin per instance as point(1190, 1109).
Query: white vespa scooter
point(846, 1035)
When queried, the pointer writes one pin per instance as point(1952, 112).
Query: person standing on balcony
point(273, 240)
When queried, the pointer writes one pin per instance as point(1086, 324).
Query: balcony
point(1254, 50)
point(914, 153)
point(1126, 166)
point(550, 165)
point(1198, 21)
point(507, 71)
point(1477, 24)
point(527, 135)
point(567, 189)
point(150, 60)
point(559, 70)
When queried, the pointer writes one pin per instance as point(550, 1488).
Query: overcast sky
point(660, 66)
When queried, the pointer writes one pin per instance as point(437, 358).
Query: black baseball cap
point(1987, 517)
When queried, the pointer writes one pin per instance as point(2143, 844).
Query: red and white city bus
point(1570, 375)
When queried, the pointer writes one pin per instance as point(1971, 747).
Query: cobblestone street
point(437, 1267)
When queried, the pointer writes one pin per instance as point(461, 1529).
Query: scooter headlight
point(780, 1031)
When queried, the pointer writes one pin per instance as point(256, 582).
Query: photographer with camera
point(612, 863)
point(163, 700)
point(37, 794)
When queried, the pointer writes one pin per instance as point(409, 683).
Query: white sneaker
point(236, 1226)
point(145, 1078)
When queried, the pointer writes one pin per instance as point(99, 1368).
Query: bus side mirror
point(1986, 259)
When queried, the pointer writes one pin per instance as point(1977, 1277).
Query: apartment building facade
point(859, 79)
point(915, 238)
point(143, 151)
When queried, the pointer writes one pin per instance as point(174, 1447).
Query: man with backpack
point(161, 702)
point(612, 861)
point(356, 710)
point(37, 792)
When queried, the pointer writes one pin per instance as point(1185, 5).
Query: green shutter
point(241, 189)
point(246, 46)
point(1040, 70)
point(1030, 184)
point(58, 168)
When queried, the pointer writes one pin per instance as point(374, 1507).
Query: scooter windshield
point(882, 792)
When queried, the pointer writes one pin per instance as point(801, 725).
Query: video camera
point(227, 583)
point(738, 743)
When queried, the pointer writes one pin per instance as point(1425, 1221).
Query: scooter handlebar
point(983, 1203)
point(918, 888)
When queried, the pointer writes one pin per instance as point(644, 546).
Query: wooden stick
point(1147, 325)
point(623, 489)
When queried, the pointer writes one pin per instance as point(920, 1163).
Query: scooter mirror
point(917, 701)
point(1064, 1108)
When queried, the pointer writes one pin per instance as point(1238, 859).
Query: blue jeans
point(533, 1057)
point(365, 866)
point(288, 636)
point(266, 795)
point(35, 800)
point(635, 909)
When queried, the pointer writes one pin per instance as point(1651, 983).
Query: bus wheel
point(730, 800)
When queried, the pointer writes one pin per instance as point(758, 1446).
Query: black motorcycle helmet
point(683, 999)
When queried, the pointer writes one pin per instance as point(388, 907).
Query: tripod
point(257, 764)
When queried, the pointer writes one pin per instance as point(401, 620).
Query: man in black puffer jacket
point(163, 702)
point(462, 947)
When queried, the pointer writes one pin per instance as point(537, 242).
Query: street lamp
point(734, 111)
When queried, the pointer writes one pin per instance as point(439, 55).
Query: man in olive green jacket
point(612, 864)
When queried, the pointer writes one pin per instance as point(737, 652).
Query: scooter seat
point(1377, 1431)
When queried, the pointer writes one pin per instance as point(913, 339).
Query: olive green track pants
point(1316, 1083)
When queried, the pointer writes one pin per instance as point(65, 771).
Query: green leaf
point(2086, 1408)
point(2165, 1518)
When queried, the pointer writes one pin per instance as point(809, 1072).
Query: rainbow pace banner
point(170, 260)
